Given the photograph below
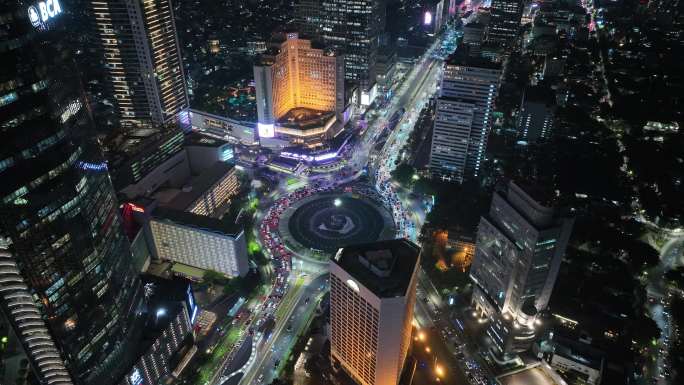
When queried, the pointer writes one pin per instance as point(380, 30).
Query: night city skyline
point(348, 192)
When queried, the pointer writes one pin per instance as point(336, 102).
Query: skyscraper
point(519, 249)
point(142, 58)
point(372, 295)
point(352, 27)
point(463, 116)
point(67, 286)
point(505, 21)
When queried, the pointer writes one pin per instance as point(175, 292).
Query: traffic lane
point(282, 343)
point(436, 365)
point(280, 337)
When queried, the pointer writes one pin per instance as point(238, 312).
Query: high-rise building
point(67, 284)
point(536, 114)
point(142, 58)
point(353, 28)
point(520, 245)
point(299, 92)
point(372, 295)
point(463, 116)
point(505, 21)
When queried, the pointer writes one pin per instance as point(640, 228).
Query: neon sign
point(427, 20)
point(40, 13)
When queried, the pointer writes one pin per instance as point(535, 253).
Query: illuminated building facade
point(463, 116)
point(372, 295)
point(299, 91)
point(353, 28)
point(142, 59)
point(199, 241)
point(505, 21)
point(520, 245)
point(67, 284)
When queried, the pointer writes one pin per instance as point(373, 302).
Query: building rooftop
point(302, 117)
point(462, 57)
point(198, 186)
point(165, 299)
point(226, 226)
point(541, 94)
point(383, 267)
point(579, 352)
point(530, 376)
point(197, 139)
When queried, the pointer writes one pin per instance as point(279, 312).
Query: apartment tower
point(144, 72)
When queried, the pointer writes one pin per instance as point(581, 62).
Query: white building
point(199, 241)
point(372, 295)
point(464, 116)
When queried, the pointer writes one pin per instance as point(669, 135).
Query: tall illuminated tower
point(372, 295)
point(142, 58)
point(67, 285)
point(463, 116)
point(520, 245)
point(299, 91)
point(352, 27)
point(505, 21)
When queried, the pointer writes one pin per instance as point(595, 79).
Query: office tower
point(67, 285)
point(372, 294)
point(505, 21)
point(299, 91)
point(353, 28)
point(520, 244)
point(308, 17)
point(142, 58)
point(199, 241)
point(463, 116)
point(536, 114)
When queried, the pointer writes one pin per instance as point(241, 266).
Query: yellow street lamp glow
point(421, 336)
point(427, 349)
point(439, 370)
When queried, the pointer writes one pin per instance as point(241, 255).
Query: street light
point(439, 370)
point(337, 202)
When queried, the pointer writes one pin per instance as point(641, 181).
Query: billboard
point(266, 130)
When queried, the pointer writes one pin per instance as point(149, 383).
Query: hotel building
point(520, 245)
point(144, 72)
point(372, 295)
point(299, 91)
point(199, 241)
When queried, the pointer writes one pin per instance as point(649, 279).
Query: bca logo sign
point(42, 12)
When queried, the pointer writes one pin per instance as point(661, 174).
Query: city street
point(416, 89)
point(278, 345)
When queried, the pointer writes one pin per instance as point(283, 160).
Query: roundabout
point(318, 225)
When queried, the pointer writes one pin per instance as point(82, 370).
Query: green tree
point(213, 277)
point(403, 174)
